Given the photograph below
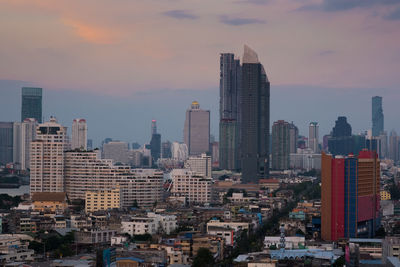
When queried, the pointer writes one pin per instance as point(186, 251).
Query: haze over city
point(121, 64)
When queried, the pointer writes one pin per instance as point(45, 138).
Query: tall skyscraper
point(6, 142)
point(313, 139)
point(254, 107)
point(350, 196)
point(196, 132)
point(79, 134)
point(280, 145)
point(293, 138)
point(341, 142)
point(24, 134)
point(155, 142)
point(31, 106)
point(394, 141)
point(377, 116)
point(47, 157)
point(229, 109)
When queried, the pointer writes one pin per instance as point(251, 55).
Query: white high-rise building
point(195, 187)
point(179, 151)
point(79, 134)
point(47, 157)
point(313, 139)
point(85, 171)
point(200, 164)
point(24, 134)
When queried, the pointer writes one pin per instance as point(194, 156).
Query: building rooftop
point(49, 196)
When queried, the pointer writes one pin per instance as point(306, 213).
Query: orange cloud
point(92, 34)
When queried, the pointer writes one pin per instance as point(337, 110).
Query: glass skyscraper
point(255, 113)
point(280, 145)
point(377, 116)
point(31, 103)
point(6, 142)
point(229, 125)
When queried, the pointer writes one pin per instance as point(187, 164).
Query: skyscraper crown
point(249, 55)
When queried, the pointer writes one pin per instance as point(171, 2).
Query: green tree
point(204, 258)
point(340, 262)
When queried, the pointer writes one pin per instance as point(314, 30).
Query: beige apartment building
point(47, 157)
point(85, 171)
point(102, 200)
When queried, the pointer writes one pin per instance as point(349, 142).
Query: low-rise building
point(270, 184)
point(49, 201)
point(291, 242)
point(94, 236)
point(391, 247)
point(102, 200)
point(13, 250)
point(151, 224)
point(385, 195)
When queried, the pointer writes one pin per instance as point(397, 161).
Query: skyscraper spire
point(153, 127)
point(249, 55)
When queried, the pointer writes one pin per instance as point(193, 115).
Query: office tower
point(79, 134)
point(179, 151)
point(229, 111)
point(340, 141)
point(24, 134)
point(155, 143)
point(280, 145)
point(6, 142)
point(293, 138)
point(117, 151)
point(325, 140)
point(197, 129)
point(305, 159)
point(135, 145)
point(350, 196)
point(215, 154)
point(47, 157)
point(85, 171)
point(394, 141)
point(166, 150)
point(254, 108)
point(89, 144)
point(196, 188)
point(313, 139)
point(383, 145)
point(31, 106)
point(199, 164)
point(377, 116)
point(358, 143)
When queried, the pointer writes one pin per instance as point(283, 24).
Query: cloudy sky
point(121, 63)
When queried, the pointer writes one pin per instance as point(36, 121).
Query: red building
point(350, 196)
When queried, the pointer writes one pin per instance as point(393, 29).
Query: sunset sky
point(117, 55)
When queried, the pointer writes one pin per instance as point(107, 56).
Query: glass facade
point(31, 106)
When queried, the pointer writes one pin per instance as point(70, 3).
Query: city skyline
point(66, 106)
point(124, 54)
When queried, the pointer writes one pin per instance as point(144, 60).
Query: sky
point(122, 63)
